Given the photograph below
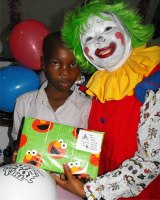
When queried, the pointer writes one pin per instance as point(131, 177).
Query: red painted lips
point(106, 51)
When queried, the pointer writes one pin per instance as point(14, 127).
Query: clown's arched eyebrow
point(101, 18)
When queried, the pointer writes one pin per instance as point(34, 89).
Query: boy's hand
point(70, 182)
point(84, 178)
point(15, 146)
point(14, 156)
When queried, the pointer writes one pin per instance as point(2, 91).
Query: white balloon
point(26, 182)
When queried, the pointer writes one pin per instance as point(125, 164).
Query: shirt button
point(102, 120)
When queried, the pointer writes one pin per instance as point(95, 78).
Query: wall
point(51, 12)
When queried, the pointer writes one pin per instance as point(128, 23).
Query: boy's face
point(60, 68)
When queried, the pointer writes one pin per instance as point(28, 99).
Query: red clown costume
point(112, 39)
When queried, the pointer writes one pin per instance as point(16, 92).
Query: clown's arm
point(135, 173)
point(150, 83)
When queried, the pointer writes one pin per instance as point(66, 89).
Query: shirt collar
point(41, 96)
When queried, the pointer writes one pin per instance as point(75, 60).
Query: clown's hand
point(70, 183)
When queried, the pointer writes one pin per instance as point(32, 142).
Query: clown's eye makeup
point(88, 39)
point(108, 28)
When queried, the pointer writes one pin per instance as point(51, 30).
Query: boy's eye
point(73, 65)
point(108, 28)
point(88, 39)
point(54, 62)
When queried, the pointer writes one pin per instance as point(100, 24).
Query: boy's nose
point(65, 70)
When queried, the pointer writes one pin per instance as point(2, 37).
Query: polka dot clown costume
point(109, 40)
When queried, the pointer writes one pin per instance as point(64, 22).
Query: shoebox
point(48, 145)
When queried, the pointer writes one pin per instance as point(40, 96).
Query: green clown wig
point(75, 22)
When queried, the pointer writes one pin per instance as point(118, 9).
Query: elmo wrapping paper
point(48, 145)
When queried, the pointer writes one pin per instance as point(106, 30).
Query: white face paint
point(105, 43)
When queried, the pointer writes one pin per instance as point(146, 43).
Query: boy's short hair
point(50, 42)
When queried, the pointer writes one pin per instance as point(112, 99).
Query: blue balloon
point(14, 81)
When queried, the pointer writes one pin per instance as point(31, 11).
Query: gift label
point(89, 141)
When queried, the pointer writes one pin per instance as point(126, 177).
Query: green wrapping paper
point(48, 145)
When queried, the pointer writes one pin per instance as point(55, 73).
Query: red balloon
point(25, 42)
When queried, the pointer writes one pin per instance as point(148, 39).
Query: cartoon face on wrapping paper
point(57, 149)
point(105, 42)
point(32, 157)
point(76, 167)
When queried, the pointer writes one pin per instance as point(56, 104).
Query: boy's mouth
point(64, 82)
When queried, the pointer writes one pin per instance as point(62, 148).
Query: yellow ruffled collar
point(121, 82)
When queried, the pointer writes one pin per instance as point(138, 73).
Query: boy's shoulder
point(28, 96)
point(80, 99)
point(39, 93)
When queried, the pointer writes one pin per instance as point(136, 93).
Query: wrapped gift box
point(48, 145)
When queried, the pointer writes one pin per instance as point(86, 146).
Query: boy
point(55, 101)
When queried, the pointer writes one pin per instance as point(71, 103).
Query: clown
point(112, 39)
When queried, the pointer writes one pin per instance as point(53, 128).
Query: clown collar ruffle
point(121, 82)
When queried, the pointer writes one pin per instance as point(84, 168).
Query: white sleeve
point(136, 173)
point(17, 118)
